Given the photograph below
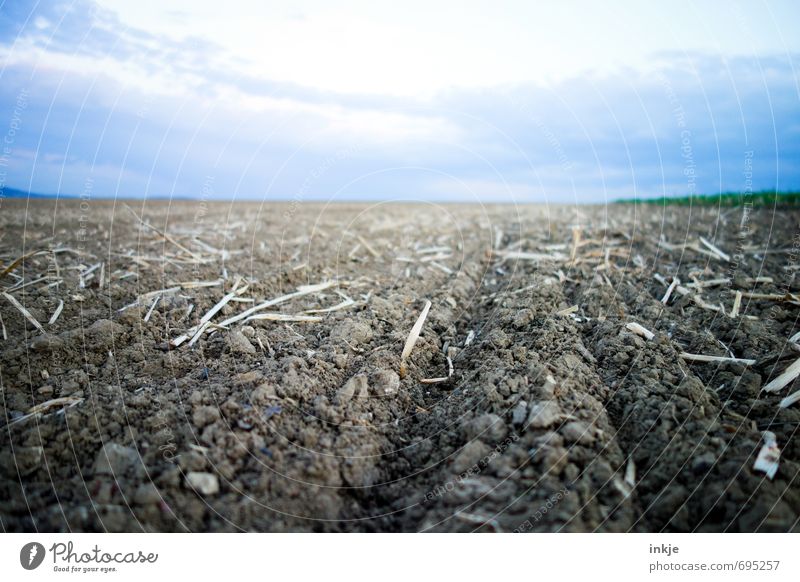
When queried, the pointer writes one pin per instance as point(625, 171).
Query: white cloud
point(417, 48)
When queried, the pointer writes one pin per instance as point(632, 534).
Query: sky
point(440, 101)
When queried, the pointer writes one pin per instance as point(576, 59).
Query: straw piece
point(768, 456)
point(670, 289)
point(437, 257)
point(523, 256)
point(786, 378)
point(198, 332)
point(640, 330)
point(576, 239)
point(630, 473)
point(152, 308)
point(57, 312)
point(442, 268)
point(207, 247)
point(343, 305)
point(789, 400)
point(709, 283)
point(20, 285)
point(441, 379)
point(195, 332)
point(63, 401)
point(567, 311)
point(222, 303)
point(163, 234)
point(45, 406)
point(433, 250)
point(301, 291)
point(168, 291)
point(788, 297)
point(498, 238)
point(433, 380)
point(755, 280)
point(769, 296)
point(367, 246)
point(16, 262)
point(413, 336)
point(470, 338)
point(710, 246)
point(704, 358)
point(283, 317)
point(199, 284)
point(23, 311)
point(737, 302)
point(83, 276)
point(701, 303)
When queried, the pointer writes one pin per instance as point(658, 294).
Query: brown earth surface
point(556, 416)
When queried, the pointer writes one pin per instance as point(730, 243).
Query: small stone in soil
point(205, 415)
point(203, 483)
point(26, 460)
point(544, 414)
point(355, 387)
point(146, 493)
point(239, 344)
point(578, 432)
point(519, 413)
point(470, 455)
point(114, 459)
point(270, 411)
point(489, 427)
point(385, 382)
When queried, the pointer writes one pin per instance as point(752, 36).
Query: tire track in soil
point(510, 449)
point(693, 454)
point(345, 435)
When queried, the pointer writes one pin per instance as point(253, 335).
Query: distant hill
point(15, 193)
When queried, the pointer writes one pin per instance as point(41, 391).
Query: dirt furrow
point(693, 453)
